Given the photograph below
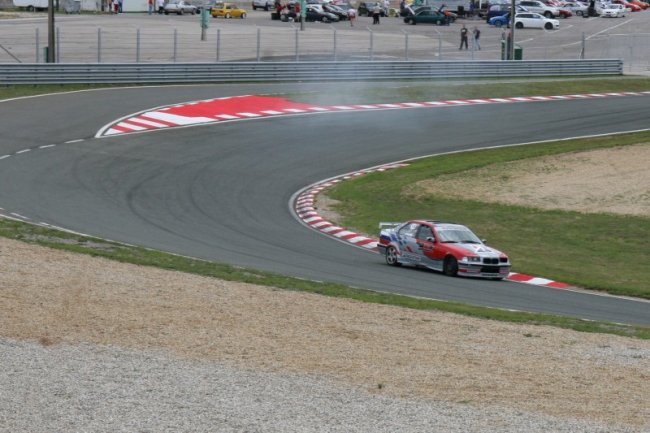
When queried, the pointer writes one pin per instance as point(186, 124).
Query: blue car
point(501, 20)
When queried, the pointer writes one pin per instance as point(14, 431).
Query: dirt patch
point(51, 296)
point(325, 207)
point(613, 180)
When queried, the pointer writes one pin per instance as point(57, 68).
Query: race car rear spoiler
point(387, 225)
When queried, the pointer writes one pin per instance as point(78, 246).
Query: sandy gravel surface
point(64, 305)
point(607, 180)
point(85, 387)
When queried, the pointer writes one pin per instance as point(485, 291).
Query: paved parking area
point(166, 38)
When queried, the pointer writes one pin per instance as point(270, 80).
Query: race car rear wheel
point(450, 266)
point(391, 256)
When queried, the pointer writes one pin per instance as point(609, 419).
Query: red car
point(630, 6)
point(639, 3)
point(447, 247)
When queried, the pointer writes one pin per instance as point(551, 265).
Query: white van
point(31, 5)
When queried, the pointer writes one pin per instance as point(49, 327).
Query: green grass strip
point(596, 251)
point(141, 256)
point(433, 90)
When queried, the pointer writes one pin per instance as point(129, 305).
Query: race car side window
point(425, 232)
point(409, 230)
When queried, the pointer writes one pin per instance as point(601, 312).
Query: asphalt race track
point(221, 192)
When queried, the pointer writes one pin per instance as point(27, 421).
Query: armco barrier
point(35, 73)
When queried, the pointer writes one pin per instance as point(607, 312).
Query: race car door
point(426, 242)
point(409, 248)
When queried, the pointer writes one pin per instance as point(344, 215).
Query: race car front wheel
point(391, 256)
point(450, 267)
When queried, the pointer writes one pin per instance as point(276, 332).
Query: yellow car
point(227, 10)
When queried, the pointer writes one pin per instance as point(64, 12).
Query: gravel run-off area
point(88, 344)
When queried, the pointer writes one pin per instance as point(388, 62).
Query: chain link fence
point(251, 43)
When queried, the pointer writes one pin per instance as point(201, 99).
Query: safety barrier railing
point(53, 73)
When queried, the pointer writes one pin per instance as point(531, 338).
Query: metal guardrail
point(54, 73)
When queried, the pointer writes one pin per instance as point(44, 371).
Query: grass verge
point(430, 91)
point(141, 256)
point(595, 251)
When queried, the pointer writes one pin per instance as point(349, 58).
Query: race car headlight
point(472, 259)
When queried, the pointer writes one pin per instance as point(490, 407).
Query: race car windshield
point(458, 236)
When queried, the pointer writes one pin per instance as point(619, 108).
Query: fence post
point(334, 36)
point(218, 43)
point(371, 44)
point(259, 40)
point(137, 46)
point(99, 44)
point(582, 49)
point(439, 46)
point(175, 45)
point(297, 55)
point(473, 44)
point(38, 47)
point(58, 45)
point(631, 52)
point(406, 45)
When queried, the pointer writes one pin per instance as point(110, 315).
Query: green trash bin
point(519, 51)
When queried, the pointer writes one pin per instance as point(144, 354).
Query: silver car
point(179, 7)
point(262, 4)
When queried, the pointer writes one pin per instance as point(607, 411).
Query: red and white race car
point(447, 247)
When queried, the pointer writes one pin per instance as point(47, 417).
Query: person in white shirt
point(160, 4)
point(352, 16)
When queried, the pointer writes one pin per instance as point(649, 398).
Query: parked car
point(540, 8)
point(501, 9)
point(500, 21)
point(629, 6)
point(336, 10)
point(643, 5)
point(564, 12)
point(263, 4)
point(227, 10)
point(316, 13)
point(366, 8)
point(446, 247)
point(535, 21)
point(580, 9)
point(179, 7)
point(201, 4)
point(427, 16)
point(609, 10)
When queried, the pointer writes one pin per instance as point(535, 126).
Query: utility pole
point(303, 14)
point(50, 32)
point(510, 42)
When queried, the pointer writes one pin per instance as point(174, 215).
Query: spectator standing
point(149, 7)
point(352, 16)
point(386, 7)
point(119, 2)
point(402, 7)
point(161, 6)
point(376, 12)
point(477, 36)
point(463, 37)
